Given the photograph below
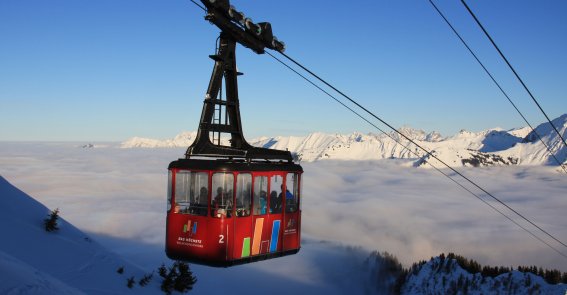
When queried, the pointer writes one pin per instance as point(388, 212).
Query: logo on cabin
point(290, 227)
point(190, 228)
point(290, 223)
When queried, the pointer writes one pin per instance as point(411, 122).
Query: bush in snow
point(50, 222)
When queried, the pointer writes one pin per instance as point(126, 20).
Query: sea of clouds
point(119, 197)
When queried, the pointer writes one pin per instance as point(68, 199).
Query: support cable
point(199, 5)
point(497, 85)
point(417, 155)
point(514, 71)
point(423, 149)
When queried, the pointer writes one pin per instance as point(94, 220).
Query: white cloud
point(411, 212)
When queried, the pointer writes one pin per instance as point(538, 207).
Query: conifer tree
point(145, 279)
point(50, 222)
point(162, 271)
point(130, 282)
point(528, 281)
point(179, 278)
point(185, 280)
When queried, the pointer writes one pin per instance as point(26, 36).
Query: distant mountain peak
point(493, 146)
point(545, 129)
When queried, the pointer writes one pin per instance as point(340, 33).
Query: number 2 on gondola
point(221, 239)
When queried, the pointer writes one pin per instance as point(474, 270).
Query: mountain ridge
point(448, 275)
point(495, 146)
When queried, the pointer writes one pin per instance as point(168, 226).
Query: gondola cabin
point(222, 213)
point(229, 202)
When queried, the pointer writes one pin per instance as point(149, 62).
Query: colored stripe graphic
point(275, 235)
point(187, 226)
point(257, 236)
point(245, 247)
point(194, 228)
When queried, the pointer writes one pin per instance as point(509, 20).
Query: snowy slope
point(19, 277)
point(531, 151)
point(34, 261)
point(485, 148)
point(520, 132)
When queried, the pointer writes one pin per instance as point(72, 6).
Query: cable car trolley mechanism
point(229, 202)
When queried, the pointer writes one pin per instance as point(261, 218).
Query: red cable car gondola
point(223, 213)
point(229, 202)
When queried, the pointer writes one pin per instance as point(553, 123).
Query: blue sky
point(110, 70)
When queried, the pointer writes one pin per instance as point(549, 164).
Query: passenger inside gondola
point(263, 202)
point(221, 203)
point(199, 206)
point(275, 203)
point(260, 203)
point(218, 198)
point(289, 200)
point(243, 195)
point(216, 207)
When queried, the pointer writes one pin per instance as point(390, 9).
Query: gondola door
point(222, 212)
point(260, 219)
point(292, 214)
point(243, 217)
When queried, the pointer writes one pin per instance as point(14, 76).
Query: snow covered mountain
point(183, 139)
point(442, 275)
point(485, 148)
point(34, 261)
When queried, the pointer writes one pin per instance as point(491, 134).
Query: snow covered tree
point(50, 222)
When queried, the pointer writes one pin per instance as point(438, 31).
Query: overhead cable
point(199, 5)
point(514, 71)
point(422, 148)
point(417, 155)
point(498, 85)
